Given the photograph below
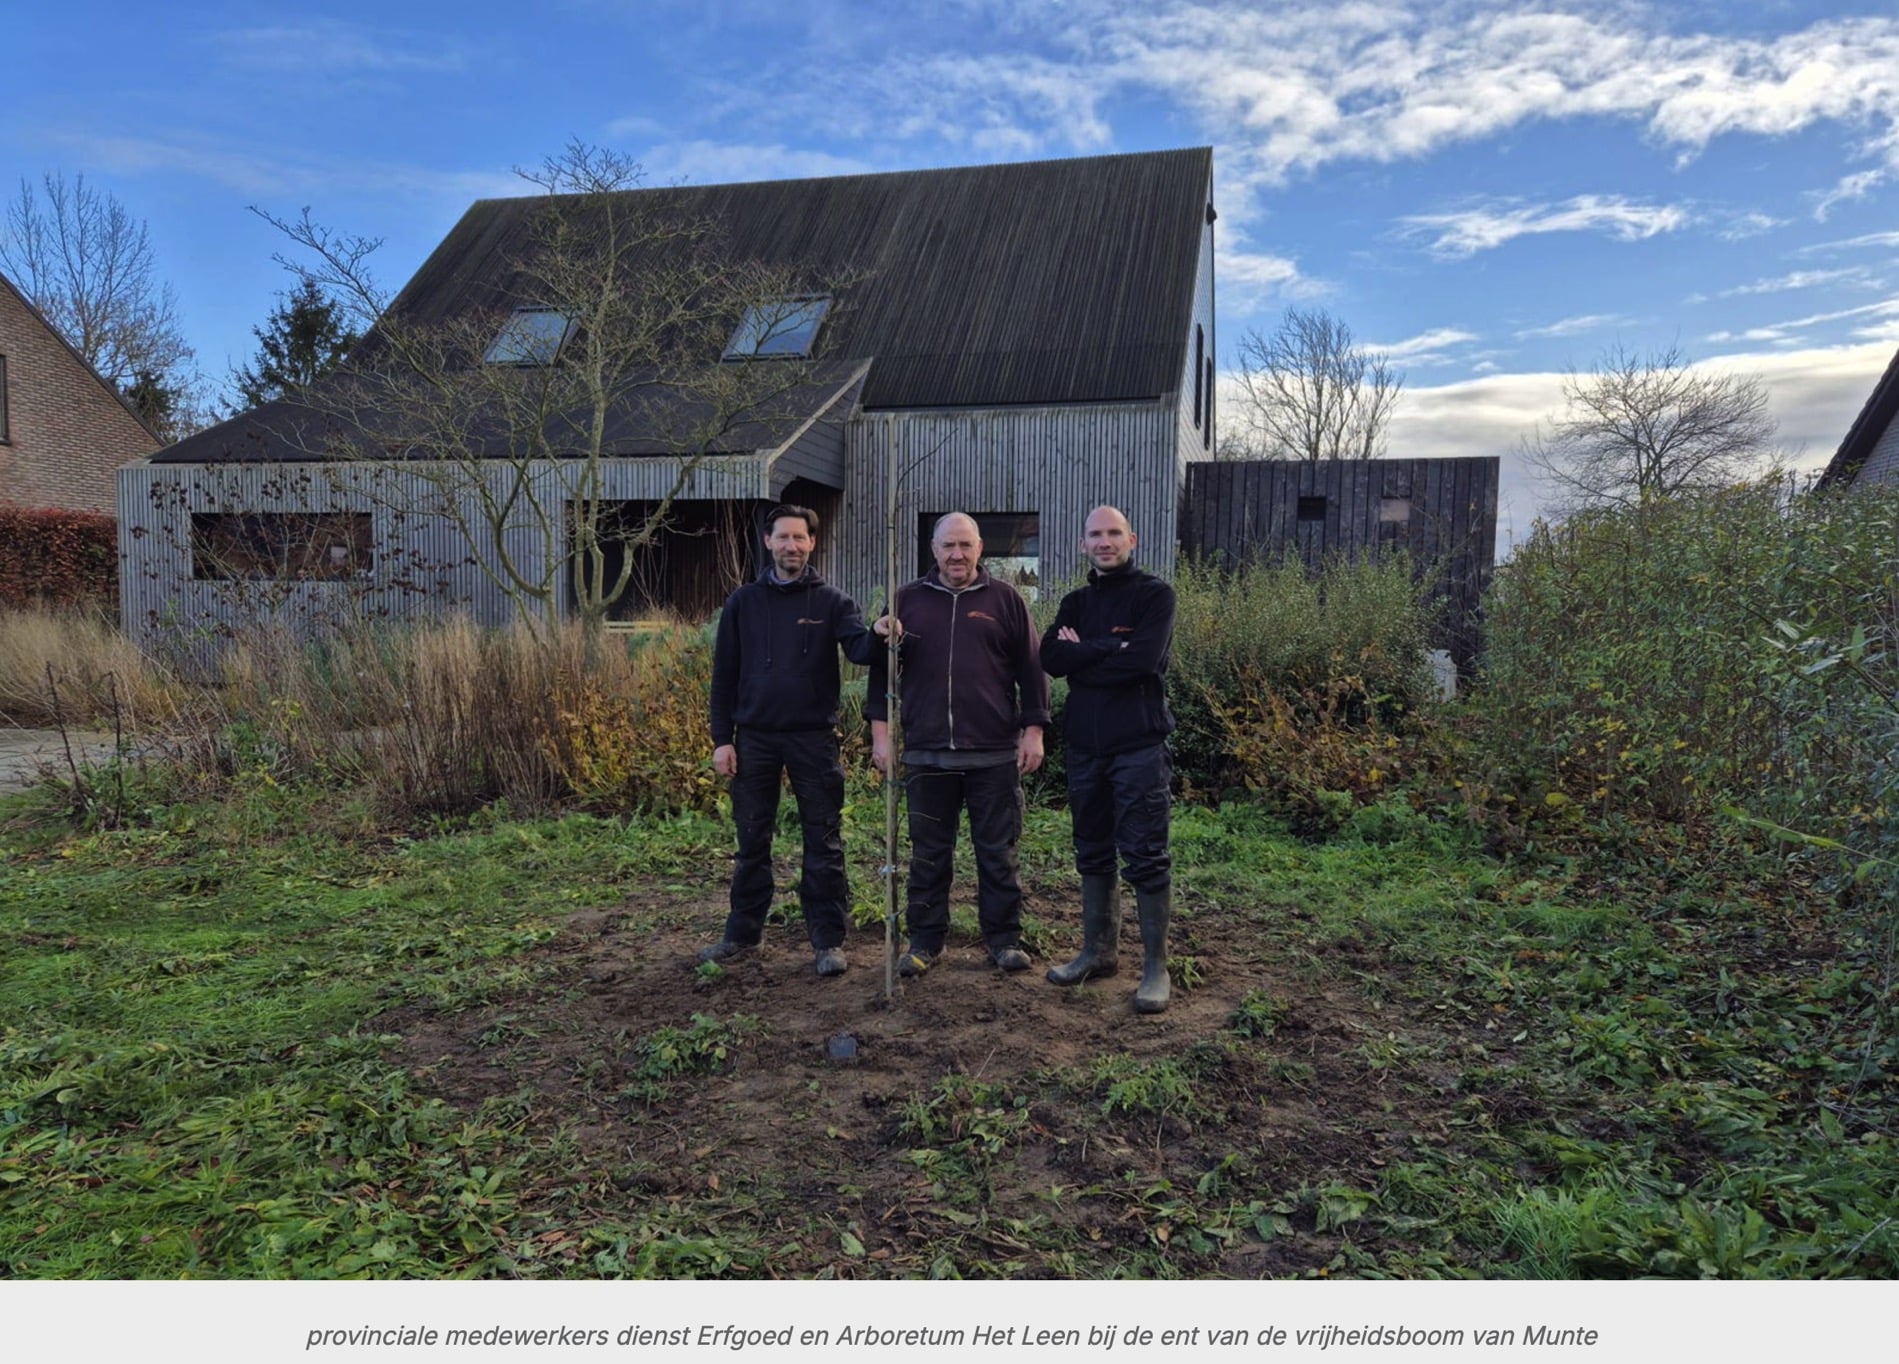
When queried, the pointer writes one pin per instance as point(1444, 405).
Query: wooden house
point(1020, 342)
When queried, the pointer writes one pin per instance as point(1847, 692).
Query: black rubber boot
point(1156, 907)
point(1100, 933)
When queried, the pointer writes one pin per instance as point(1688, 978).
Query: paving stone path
point(27, 753)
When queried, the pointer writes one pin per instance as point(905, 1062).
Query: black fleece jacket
point(774, 665)
point(971, 678)
point(1117, 688)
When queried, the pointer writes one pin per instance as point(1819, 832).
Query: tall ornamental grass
point(71, 665)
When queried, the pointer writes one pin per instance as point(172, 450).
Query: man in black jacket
point(1112, 640)
point(774, 710)
point(975, 701)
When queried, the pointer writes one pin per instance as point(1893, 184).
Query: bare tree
point(87, 264)
point(1640, 426)
point(605, 343)
point(1309, 392)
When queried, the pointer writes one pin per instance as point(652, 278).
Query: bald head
point(957, 545)
point(1107, 541)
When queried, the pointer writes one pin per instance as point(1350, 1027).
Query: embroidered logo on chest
point(975, 614)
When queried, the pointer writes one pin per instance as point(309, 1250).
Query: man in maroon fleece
point(975, 701)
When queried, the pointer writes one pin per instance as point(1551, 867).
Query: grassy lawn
point(266, 1037)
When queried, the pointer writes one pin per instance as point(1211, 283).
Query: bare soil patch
point(811, 1153)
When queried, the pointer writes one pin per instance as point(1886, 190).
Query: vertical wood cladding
point(1442, 512)
point(1059, 462)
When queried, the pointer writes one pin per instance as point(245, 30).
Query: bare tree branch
point(1640, 426)
point(514, 441)
point(87, 265)
point(1308, 392)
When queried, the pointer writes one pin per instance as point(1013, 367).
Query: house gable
point(66, 430)
point(1870, 451)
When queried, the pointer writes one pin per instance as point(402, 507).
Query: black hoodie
point(774, 665)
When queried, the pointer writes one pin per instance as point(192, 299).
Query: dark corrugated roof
point(658, 422)
point(981, 286)
point(1032, 282)
point(1871, 423)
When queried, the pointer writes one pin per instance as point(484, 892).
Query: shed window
point(1396, 509)
point(780, 327)
point(281, 545)
point(1312, 509)
point(530, 336)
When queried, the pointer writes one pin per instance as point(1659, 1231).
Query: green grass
point(1553, 1068)
point(185, 1086)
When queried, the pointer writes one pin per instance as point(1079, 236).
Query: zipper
point(949, 680)
point(949, 683)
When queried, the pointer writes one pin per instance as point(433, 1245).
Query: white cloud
point(1575, 326)
point(1783, 331)
point(1250, 280)
point(254, 175)
point(1388, 82)
point(1873, 239)
point(1426, 348)
point(333, 47)
point(1849, 188)
point(1797, 279)
point(1469, 231)
point(1750, 224)
point(712, 163)
point(1814, 394)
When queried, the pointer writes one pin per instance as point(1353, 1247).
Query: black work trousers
point(1120, 801)
point(937, 797)
point(817, 783)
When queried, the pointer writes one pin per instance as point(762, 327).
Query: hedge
point(51, 557)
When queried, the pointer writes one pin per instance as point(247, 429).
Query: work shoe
point(915, 962)
point(726, 952)
point(831, 961)
point(1010, 959)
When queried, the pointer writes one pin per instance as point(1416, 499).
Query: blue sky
point(1493, 192)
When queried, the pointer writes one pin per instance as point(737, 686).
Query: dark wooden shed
point(1442, 512)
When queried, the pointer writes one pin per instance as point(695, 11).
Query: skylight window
point(781, 327)
point(530, 336)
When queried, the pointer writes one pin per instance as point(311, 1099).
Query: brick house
point(64, 431)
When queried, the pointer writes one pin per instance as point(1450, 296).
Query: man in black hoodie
point(1112, 640)
point(774, 710)
point(975, 701)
